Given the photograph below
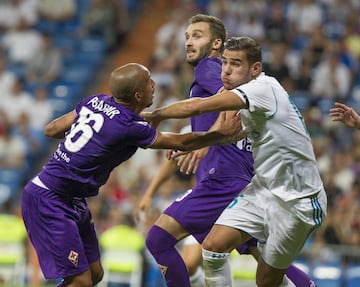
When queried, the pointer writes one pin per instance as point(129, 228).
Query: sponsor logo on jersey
point(73, 257)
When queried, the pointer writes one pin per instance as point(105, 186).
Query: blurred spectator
point(303, 80)
point(57, 11)
point(352, 35)
point(46, 65)
point(276, 64)
point(12, 12)
point(253, 27)
point(122, 19)
point(227, 11)
point(332, 78)
point(12, 149)
point(316, 46)
point(231, 12)
point(169, 42)
point(275, 25)
point(100, 20)
point(7, 78)
point(303, 16)
point(21, 43)
point(32, 144)
point(337, 12)
point(42, 111)
point(15, 103)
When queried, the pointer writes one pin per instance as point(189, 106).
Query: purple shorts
point(61, 230)
point(198, 209)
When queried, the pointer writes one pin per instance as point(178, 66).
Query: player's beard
point(204, 52)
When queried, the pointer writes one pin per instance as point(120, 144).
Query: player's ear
point(217, 43)
point(137, 96)
point(256, 69)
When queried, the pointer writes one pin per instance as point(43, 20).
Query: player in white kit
point(285, 200)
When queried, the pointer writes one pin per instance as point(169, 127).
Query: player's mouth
point(190, 53)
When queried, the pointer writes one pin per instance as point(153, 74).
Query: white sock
point(217, 269)
point(287, 282)
point(198, 278)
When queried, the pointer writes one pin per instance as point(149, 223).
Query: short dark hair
point(251, 47)
point(217, 27)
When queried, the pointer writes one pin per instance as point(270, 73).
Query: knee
point(79, 281)
point(97, 276)
point(158, 240)
point(151, 240)
point(212, 244)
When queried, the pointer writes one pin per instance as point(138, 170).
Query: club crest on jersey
point(73, 257)
point(163, 269)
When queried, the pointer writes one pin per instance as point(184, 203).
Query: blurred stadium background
point(53, 53)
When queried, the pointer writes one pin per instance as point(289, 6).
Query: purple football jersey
point(104, 135)
point(222, 174)
point(228, 161)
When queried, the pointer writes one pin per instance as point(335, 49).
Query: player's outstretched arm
point(224, 101)
point(225, 130)
point(57, 127)
point(167, 169)
point(347, 115)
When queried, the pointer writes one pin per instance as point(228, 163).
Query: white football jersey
point(284, 159)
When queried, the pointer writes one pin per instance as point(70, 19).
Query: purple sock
point(299, 277)
point(61, 284)
point(161, 244)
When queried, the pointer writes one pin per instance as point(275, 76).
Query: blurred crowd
point(311, 47)
point(47, 49)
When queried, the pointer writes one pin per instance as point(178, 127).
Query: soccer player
point(343, 113)
point(221, 174)
point(285, 200)
point(102, 132)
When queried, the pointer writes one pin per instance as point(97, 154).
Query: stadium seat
point(301, 100)
point(122, 257)
point(12, 250)
point(327, 274)
point(352, 275)
point(76, 74)
point(325, 104)
point(92, 44)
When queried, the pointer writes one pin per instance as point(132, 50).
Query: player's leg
point(293, 273)
point(161, 240)
point(88, 278)
point(287, 233)
point(89, 239)
point(191, 252)
point(217, 246)
point(227, 235)
point(51, 223)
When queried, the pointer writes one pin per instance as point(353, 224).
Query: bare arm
point(225, 130)
point(167, 169)
point(189, 162)
point(343, 113)
point(58, 127)
point(224, 101)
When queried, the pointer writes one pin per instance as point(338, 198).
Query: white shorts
point(281, 227)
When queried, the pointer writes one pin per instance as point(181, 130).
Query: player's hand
point(229, 124)
point(343, 113)
point(143, 207)
point(189, 162)
point(151, 119)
